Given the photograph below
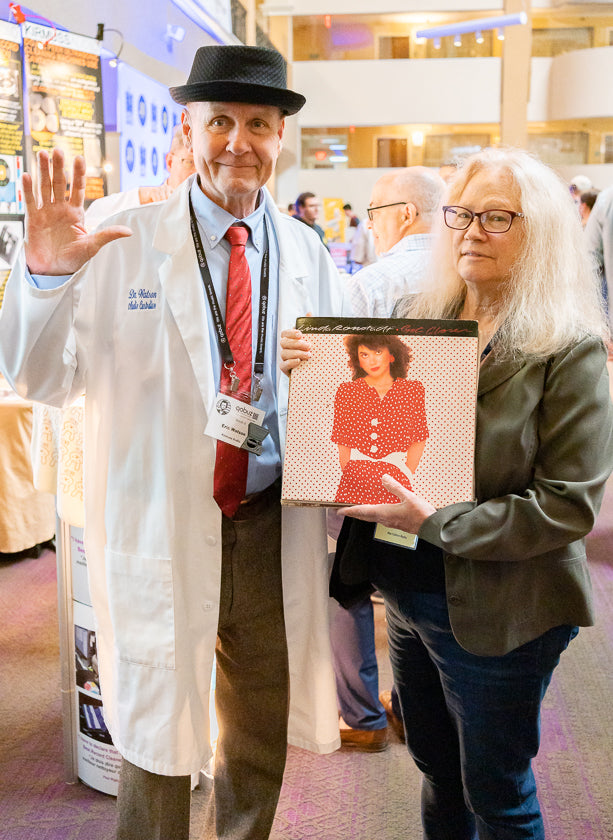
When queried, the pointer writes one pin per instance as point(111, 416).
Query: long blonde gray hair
point(552, 297)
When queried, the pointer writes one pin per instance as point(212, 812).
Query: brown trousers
point(251, 697)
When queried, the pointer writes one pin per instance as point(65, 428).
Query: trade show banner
point(11, 120)
point(146, 119)
point(11, 148)
point(64, 93)
point(11, 237)
point(98, 762)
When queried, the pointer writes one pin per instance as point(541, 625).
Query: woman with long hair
point(473, 655)
point(479, 614)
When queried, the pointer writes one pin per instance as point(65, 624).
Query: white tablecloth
point(27, 516)
point(57, 455)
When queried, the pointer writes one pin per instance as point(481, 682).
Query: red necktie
point(230, 479)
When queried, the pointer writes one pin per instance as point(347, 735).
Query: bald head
point(415, 194)
point(176, 144)
point(179, 160)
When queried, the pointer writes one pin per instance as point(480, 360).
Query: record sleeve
point(382, 396)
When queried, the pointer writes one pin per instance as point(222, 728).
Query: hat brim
point(289, 101)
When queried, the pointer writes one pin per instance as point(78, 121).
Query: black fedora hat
point(239, 74)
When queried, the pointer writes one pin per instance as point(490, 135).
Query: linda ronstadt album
point(377, 397)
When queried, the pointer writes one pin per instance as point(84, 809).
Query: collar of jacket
point(494, 371)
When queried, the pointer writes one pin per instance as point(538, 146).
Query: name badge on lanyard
point(236, 421)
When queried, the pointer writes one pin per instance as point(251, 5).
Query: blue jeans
point(352, 634)
point(472, 722)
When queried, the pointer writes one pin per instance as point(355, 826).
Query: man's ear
point(410, 212)
point(281, 132)
point(186, 125)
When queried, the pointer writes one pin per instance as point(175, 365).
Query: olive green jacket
point(515, 562)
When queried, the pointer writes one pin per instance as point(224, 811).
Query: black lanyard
point(219, 321)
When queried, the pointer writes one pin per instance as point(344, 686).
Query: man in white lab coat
point(172, 580)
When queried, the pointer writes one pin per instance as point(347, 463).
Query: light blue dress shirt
point(213, 223)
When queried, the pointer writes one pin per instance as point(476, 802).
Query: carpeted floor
point(345, 796)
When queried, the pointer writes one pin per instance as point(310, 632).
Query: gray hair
point(553, 297)
point(421, 186)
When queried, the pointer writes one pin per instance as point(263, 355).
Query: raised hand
point(56, 241)
point(408, 515)
point(147, 195)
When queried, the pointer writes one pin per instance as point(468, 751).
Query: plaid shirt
point(375, 289)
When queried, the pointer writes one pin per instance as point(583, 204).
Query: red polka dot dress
point(376, 427)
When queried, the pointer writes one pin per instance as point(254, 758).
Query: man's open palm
point(56, 241)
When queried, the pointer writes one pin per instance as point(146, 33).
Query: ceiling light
point(463, 27)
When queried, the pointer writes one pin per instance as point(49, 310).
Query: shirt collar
point(215, 221)
point(412, 242)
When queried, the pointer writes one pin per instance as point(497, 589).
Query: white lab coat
point(103, 208)
point(152, 529)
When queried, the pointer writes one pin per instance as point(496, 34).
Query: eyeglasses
point(492, 221)
point(371, 210)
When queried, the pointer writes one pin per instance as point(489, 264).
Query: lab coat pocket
point(142, 608)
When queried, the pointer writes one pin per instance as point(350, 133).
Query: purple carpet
point(343, 796)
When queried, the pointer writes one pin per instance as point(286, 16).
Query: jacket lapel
point(182, 285)
point(293, 295)
point(493, 372)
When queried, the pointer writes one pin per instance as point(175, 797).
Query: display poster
point(11, 237)
point(339, 251)
point(335, 220)
point(78, 564)
point(11, 149)
point(98, 762)
point(146, 118)
point(64, 92)
point(382, 397)
point(11, 127)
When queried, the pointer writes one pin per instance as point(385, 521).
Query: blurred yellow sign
point(334, 219)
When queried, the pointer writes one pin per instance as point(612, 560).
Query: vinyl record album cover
point(380, 396)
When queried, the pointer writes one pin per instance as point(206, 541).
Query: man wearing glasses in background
point(402, 206)
point(400, 214)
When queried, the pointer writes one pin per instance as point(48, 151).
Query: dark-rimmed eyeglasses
point(492, 221)
point(371, 210)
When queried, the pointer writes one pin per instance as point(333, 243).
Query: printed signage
point(147, 116)
point(64, 87)
point(11, 149)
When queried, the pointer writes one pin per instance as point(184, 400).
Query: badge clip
point(256, 390)
point(255, 436)
point(234, 379)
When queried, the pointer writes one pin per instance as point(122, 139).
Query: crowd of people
point(190, 556)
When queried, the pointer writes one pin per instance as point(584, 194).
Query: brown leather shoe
point(365, 740)
point(385, 698)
